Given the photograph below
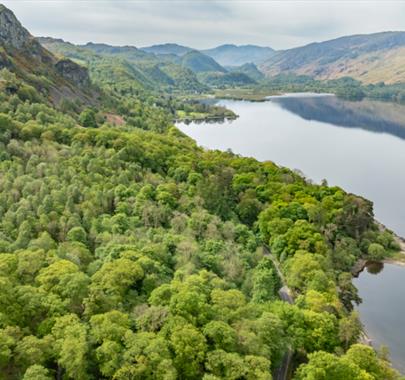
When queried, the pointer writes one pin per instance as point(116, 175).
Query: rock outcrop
point(73, 72)
point(12, 33)
point(4, 62)
point(24, 56)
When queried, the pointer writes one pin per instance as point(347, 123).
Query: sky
point(206, 23)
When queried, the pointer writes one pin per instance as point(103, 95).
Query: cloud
point(206, 23)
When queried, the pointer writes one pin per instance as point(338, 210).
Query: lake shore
point(397, 259)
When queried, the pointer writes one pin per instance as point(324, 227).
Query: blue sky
point(206, 23)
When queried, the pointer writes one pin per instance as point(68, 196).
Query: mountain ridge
point(167, 48)
point(225, 55)
point(370, 58)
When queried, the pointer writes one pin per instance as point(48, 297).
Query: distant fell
point(169, 48)
point(370, 58)
point(233, 55)
point(249, 69)
point(199, 63)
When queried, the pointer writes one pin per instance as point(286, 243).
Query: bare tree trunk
point(59, 373)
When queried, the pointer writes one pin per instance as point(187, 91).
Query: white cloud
point(206, 23)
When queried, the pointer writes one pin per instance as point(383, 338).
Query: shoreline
point(205, 119)
point(361, 265)
point(395, 262)
point(399, 257)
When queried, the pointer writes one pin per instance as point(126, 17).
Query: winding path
point(285, 293)
point(281, 373)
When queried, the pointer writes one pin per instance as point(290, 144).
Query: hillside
point(168, 48)
point(369, 58)
point(233, 55)
point(56, 79)
point(226, 80)
point(200, 63)
point(249, 69)
point(128, 67)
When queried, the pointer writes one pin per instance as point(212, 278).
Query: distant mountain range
point(127, 66)
point(168, 66)
point(225, 55)
point(370, 58)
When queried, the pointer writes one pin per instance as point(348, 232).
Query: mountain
point(200, 63)
point(223, 80)
point(370, 58)
point(52, 78)
point(225, 55)
point(162, 49)
point(233, 55)
point(249, 69)
point(127, 67)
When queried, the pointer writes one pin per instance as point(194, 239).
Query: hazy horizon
point(206, 24)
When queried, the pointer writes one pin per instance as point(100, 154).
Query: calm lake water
point(359, 146)
point(382, 309)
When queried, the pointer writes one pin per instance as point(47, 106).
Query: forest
point(128, 252)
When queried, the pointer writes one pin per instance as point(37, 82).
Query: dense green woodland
point(130, 253)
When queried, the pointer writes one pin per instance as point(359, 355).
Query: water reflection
point(374, 267)
point(375, 116)
point(382, 310)
point(209, 120)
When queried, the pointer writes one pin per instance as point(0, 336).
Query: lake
point(382, 309)
point(359, 146)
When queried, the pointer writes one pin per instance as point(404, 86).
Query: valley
point(140, 241)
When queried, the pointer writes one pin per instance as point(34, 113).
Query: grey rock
point(73, 72)
point(12, 33)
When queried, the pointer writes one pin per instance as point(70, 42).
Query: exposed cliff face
point(73, 72)
point(12, 33)
point(22, 54)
